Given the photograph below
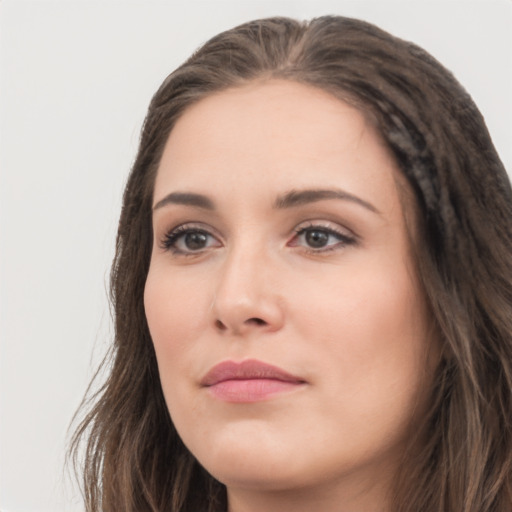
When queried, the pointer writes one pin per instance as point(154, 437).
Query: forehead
point(276, 135)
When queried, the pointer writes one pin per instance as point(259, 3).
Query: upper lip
point(245, 370)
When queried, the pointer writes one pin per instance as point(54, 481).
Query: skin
point(347, 317)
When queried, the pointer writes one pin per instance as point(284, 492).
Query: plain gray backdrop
point(75, 81)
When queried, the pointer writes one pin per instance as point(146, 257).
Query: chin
point(252, 462)
point(258, 474)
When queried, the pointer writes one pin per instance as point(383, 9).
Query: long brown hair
point(134, 458)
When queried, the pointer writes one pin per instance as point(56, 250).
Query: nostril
point(237, 327)
point(220, 325)
point(257, 321)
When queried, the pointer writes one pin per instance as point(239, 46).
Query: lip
point(248, 381)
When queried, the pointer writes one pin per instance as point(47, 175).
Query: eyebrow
point(301, 197)
point(187, 199)
point(290, 199)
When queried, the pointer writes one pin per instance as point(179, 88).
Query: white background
point(76, 78)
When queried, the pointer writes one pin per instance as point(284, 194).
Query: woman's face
point(287, 321)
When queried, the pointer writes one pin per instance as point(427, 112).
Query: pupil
point(195, 241)
point(317, 238)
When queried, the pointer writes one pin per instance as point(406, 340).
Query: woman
point(312, 287)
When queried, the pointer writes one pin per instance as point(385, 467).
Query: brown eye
point(188, 240)
point(316, 238)
point(320, 239)
point(195, 240)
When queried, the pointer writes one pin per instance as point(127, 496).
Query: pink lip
point(248, 381)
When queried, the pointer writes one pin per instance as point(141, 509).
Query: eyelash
point(344, 240)
point(172, 237)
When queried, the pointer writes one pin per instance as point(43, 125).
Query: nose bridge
point(244, 296)
point(237, 280)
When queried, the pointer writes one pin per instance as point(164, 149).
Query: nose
point(247, 297)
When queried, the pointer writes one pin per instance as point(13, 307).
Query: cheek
point(370, 329)
point(176, 313)
point(377, 304)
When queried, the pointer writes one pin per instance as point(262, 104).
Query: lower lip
point(251, 390)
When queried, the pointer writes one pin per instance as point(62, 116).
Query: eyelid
point(327, 225)
point(345, 236)
point(173, 234)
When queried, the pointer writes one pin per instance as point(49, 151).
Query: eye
point(318, 238)
point(188, 240)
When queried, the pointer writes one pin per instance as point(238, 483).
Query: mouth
point(249, 381)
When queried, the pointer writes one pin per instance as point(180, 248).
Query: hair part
point(462, 243)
